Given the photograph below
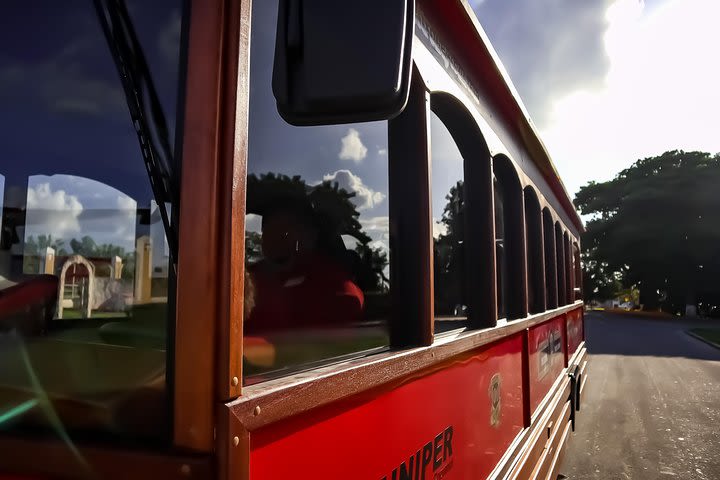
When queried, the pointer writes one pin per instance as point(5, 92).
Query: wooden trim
point(233, 166)
point(411, 241)
point(565, 348)
point(275, 400)
point(522, 260)
point(559, 453)
point(552, 418)
point(557, 436)
point(53, 458)
point(578, 355)
point(198, 282)
point(233, 455)
point(528, 440)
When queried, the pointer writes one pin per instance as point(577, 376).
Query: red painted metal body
point(575, 330)
point(455, 421)
point(477, 396)
point(546, 358)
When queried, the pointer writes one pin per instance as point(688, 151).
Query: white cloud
point(352, 147)
point(439, 228)
point(126, 203)
point(365, 197)
point(660, 93)
point(125, 224)
point(376, 227)
point(379, 244)
point(382, 152)
point(68, 206)
point(253, 223)
point(52, 212)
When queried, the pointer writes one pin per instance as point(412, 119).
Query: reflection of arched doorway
point(85, 289)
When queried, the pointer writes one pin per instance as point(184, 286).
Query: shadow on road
point(614, 334)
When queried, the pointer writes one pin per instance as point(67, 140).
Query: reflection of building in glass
point(160, 256)
point(143, 270)
point(101, 248)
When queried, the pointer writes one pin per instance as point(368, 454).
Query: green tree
point(335, 214)
point(655, 226)
point(449, 254)
point(86, 246)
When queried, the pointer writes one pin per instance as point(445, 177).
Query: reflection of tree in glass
point(449, 255)
point(335, 215)
point(35, 247)
point(253, 247)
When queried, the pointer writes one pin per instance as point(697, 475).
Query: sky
point(608, 82)
point(68, 150)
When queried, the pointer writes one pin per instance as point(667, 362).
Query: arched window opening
point(569, 271)
point(455, 135)
point(509, 241)
point(578, 293)
point(500, 256)
point(551, 284)
point(535, 258)
point(560, 259)
point(448, 216)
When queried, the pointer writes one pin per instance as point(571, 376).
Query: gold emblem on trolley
point(495, 400)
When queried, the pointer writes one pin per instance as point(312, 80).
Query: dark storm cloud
point(548, 47)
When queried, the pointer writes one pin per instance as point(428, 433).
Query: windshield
point(86, 194)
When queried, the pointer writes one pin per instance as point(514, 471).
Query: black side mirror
point(340, 62)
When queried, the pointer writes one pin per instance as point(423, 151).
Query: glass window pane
point(501, 269)
point(317, 231)
point(84, 259)
point(448, 212)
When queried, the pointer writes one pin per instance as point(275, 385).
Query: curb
point(705, 340)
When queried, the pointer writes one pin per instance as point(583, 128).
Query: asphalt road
point(652, 408)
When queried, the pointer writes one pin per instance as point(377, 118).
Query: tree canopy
point(655, 226)
point(335, 214)
point(449, 255)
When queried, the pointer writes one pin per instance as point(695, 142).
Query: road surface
point(652, 408)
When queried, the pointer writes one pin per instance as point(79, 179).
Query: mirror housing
point(342, 62)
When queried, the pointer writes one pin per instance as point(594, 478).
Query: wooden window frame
point(560, 262)
point(551, 283)
point(569, 271)
point(514, 223)
point(208, 341)
point(577, 266)
point(212, 175)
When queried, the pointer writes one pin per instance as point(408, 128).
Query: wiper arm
point(145, 109)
